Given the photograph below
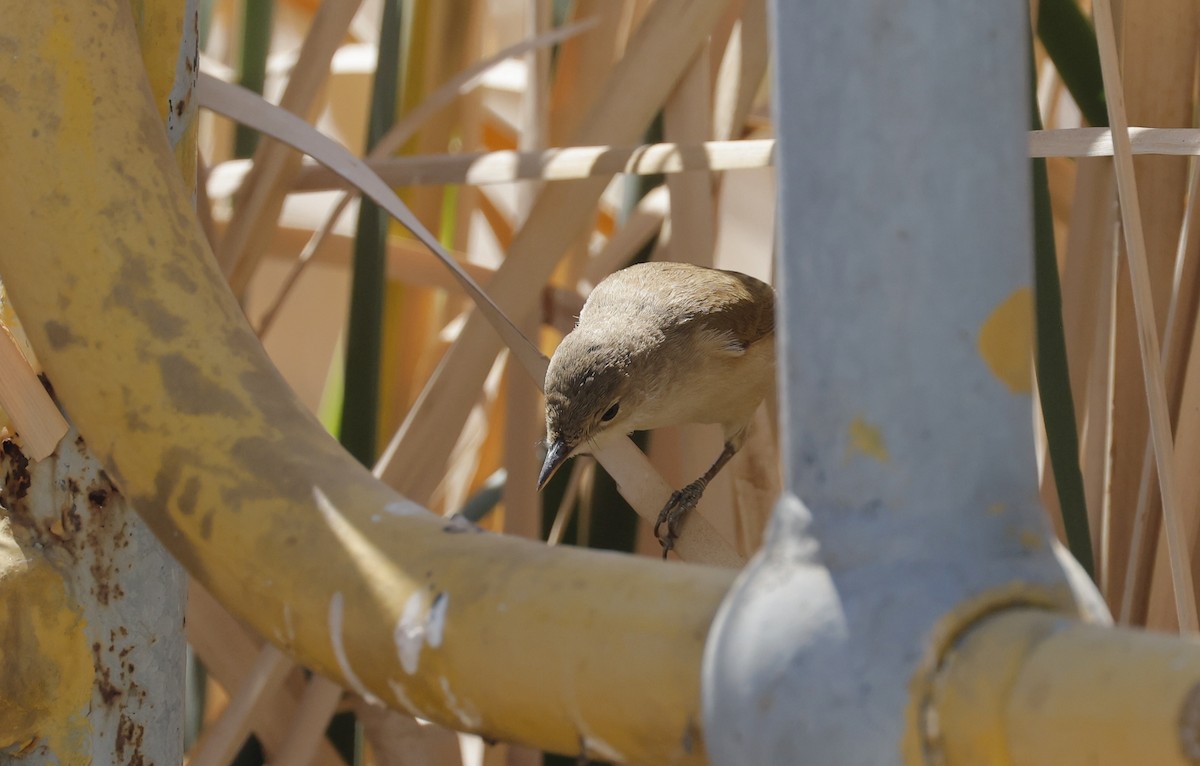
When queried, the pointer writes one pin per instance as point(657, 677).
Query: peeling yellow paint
point(46, 669)
point(866, 439)
point(1006, 341)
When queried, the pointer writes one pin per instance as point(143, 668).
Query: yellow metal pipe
point(1026, 687)
point(107, 266)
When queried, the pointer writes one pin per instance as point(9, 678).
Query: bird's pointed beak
point(556, 454)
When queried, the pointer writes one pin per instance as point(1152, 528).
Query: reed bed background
point(492, 153)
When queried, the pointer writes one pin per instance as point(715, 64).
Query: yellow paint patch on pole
point(866, 439)
point(1006, 341)
point(45, 665)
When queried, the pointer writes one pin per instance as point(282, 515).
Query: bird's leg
point(684, 500)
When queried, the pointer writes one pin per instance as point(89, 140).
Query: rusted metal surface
point(125, 593)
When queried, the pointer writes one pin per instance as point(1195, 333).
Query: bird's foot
point(682, 501)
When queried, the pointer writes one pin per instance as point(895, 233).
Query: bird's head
point(589, 397)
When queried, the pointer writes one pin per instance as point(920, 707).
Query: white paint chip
point(324, 505)
point(403, 508)
point(596, 746)
point(419, 625)
point(402, 697)
point(437, 620)
point(287, 623)
point(470, 719)
point(336, 612)
point(410, 632)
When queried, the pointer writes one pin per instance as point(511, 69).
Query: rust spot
point(104, 684)
point(28, 747)
point(108, 692)
point(16, 478)
point(71, 519)
point(101, 591)
point(98, 498)
point(129, 735)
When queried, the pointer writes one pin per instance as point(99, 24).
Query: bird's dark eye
point(611, 412)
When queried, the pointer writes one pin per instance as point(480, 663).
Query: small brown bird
point(660, 344)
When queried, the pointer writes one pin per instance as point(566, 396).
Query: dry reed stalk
point(523, 421)
point(434, 54)
point(1097, 142)
point(221, 741)
point(306, 731)
point(581, 62)
point(397, 739)
point(407, 261)
point(32, 412)
point(562, 164)
point(1157, 613)
point(250, 109)
point(746, 242)
point(658, 54)
point(1140, 282)
point(571, 98)
point(1087, 300)
point(742, 68)
point(502, 166)
point(644, 222)
point(228, 651)
point(276, 163)
point(404, 128)
point(1142, 597)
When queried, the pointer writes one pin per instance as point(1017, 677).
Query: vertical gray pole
point(904, 320)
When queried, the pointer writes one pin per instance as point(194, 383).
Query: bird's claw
point(682, 501)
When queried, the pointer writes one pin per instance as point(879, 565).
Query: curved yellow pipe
point(106, 265)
